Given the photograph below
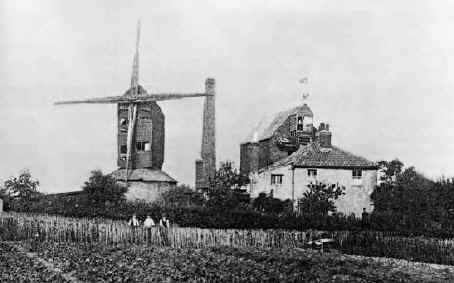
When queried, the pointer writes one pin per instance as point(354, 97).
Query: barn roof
point(268, 125)
point(144, 174)
point(313, 155)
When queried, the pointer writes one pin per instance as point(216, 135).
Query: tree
point(181, 196)
point(22, 187)
point(403, 192)
point(226, 189)
point(406, 199)
point(319, 199)
point(269, 204)
point(390, 170)
point(102, 189)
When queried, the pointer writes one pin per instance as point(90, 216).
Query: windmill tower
point(141, 135)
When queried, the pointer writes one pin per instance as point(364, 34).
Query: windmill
point(141, 129)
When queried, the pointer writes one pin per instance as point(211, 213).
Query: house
point(285, 155)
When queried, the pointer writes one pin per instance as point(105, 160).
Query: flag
point(304, 80)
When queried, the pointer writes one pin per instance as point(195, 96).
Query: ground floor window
point(276, 179)
point(357, 173)
point(312, 173)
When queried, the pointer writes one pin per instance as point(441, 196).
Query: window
point(123, 125)
point(312, 173)
point(304, 140)
point(307, 124)
point(143, 146)
point(357, 173)
point(144, 117)
point(299, 125)
point(123, 149)
point(276, 179)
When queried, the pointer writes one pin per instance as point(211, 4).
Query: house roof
point(144, 174)
point(268, 125)
point(312, 155)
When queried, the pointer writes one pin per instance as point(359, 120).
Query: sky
point(379, 72)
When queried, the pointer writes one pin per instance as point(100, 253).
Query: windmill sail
point(132, 109)
point(132, 117)
point(133, 99)
point(135, 95)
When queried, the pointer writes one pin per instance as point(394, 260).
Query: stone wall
point(357, 191)
point(146, 191)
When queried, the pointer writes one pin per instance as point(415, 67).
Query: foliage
point(225, 190)
point(103, 189)
point(181, 196)
point(407, 201)
point(17, 267)
point(390, 170)
point(94, 263)
point(117, 236)
point(22, 187)
point(268, 204)
point(319, 199)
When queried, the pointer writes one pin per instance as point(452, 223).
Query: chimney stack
point(324, 135)
point(207, 164)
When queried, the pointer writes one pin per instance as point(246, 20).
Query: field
point(143, 263)
point(39, 248)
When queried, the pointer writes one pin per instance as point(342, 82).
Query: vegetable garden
point(43, 228)
point(99, 250)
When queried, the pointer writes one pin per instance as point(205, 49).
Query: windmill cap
point(306, 110)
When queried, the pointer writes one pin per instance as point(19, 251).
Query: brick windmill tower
point(141, 136)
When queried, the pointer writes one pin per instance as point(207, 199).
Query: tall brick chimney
point(207, 164)
point(324, 135)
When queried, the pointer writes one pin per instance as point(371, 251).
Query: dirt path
point(50, 266)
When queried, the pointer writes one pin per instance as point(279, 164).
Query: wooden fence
point(17, 226)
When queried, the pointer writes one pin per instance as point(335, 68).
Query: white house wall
point(357, 191)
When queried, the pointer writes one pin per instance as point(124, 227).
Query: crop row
point(142, 263)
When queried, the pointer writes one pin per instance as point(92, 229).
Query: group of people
point(149, 222)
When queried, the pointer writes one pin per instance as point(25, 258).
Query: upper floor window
point(357, 173)
point(304, 140)
point(143, 146)
point(307, 124)
point(312, 173)
point(299, 124)
point(123, 149)
point(276, 179)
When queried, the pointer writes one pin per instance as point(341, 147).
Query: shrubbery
point(405, 202)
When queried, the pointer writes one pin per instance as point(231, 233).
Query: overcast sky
point(380, 72)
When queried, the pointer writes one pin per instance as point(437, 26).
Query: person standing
point(134, 223)
point(164, 224)
point(148, 224)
